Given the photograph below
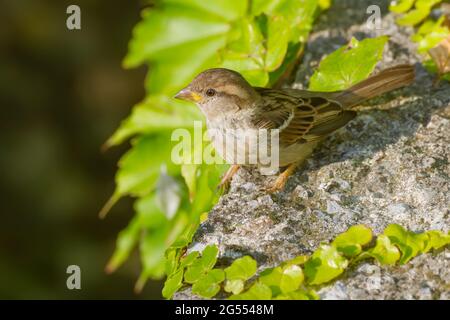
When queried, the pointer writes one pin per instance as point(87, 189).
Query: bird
point(302, 119)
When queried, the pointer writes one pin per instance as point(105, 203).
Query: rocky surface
point(389, 165)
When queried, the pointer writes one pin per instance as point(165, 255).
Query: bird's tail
point(385, 81)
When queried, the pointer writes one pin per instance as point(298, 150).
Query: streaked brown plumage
point(304, 118)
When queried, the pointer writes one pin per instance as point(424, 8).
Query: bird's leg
point(226, 179)
point(281, 180)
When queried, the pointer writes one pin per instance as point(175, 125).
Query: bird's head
point(219, 92)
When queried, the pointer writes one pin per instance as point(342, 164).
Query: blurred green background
point(62, 94)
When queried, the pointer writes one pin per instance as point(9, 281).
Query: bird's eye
point(210, 92)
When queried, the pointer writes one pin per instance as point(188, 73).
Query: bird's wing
point(300, 115)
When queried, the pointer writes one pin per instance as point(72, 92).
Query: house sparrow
point(302, 118)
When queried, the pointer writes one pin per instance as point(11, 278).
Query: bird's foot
point(282, 179)
point(224, 184)
point(278, 185)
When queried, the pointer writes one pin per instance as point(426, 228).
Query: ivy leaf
point(348, 66)
point(172, 284)
point(152, 248)
point(258, 291)
point(421, 11)
point(234, 286)
point(282, 279)
point(156, 113)
point(246, 53)
point(272, 277)
point(297, 260)
point(189, 259)
point(172, 261)
point(277, 42)
point(384, 251)
point(325, 4)
point(201, 265)
point(324, 265)
point(126, 241)
point(291, 278)
point(437, 240)
point(168, 194)
point(430, 34)
point(401, 6)
point(241, 269)
point(139, 168)
point(350, 242)
point(167, 30)
point(409, 243)
point(208, 285)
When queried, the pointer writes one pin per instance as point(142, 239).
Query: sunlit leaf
point(384, 251)
point(156, 113)
point(348, 66)
point(258, 291)
point(324, 265)
point(437, 240)
point(168, 194)
point(234, 286)
point(350, 242)
point(201, 265)
point(208, 285)
point(430, 34)
point(409, 243)
point(291, 278)
point(126, 241)
point(417, 15)
point(242, 268)
point(401, 6)
point(172, 284)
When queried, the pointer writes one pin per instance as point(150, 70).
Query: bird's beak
point(188, 95)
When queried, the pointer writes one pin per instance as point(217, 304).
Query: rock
point(389, 165)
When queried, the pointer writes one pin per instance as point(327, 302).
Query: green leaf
point(437, 240)
point(208, 285)
point(156, 113)
point(243, 268)
point(202, 265)
point(139, 168)
point(189, 259)
point(350, 242)
point(291, 278)
point(258, 291)
point(234, 286)
point(324, 265)
point(172, 284)
point(297, 260)
point(325, 4)
point(401, 6)
point(421, 11)
point(409, 243)
point(277, 42)
point(168, 194)
point(430, 34)
point(226, 9)
point(166, 30)
point(126, 241)
point(189, 173)
point(384, 251)
point(348, 66)
point(282, 279)
point(272, 278)
point(149, 213)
